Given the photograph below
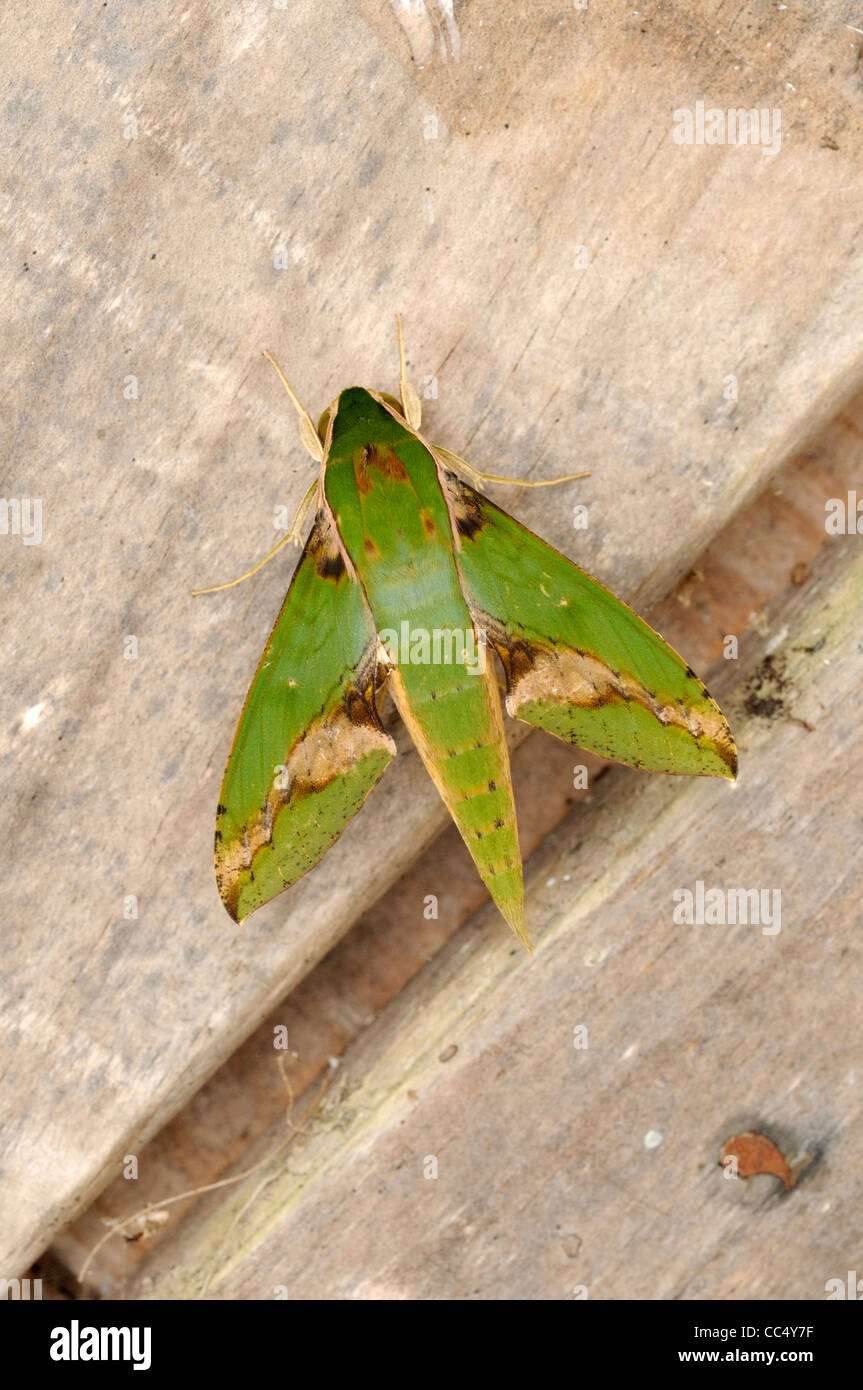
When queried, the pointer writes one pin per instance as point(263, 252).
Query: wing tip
point(233, 912)
point(515, 919)
point(230, 896)
point(727, 751)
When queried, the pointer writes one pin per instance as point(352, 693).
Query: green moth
point(409, 580)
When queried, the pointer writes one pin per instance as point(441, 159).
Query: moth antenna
point(311, 440)
point(293, 536)
point(477, 477)
point(411, 403)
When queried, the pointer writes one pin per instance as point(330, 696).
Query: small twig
point(118, 1227)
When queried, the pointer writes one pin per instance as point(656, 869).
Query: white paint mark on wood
point(421, 26)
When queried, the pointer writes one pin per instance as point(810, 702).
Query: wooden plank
point(160, 257)
point(760, 554)
point(562, 1169)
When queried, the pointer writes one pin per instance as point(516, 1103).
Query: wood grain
point(757, 557)
point(184, 187)
point(553, 1128)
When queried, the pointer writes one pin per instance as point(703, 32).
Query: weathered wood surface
point(566, 1170)
point(763, 552)
point(296, 137)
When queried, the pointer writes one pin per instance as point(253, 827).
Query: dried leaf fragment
point(755, 1153)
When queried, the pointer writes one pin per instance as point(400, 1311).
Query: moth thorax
point(325, 418)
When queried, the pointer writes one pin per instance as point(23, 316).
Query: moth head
point(324, 421)
point(359, 417)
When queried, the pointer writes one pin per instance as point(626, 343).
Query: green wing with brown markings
point(578, 661)
point(384, 490)
point(309, 746)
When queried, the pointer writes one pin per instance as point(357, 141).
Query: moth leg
point(411, 404)
point(293, 536)
point(309, 437)
point(477, 477)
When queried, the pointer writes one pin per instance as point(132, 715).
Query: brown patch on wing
point(465, 504)
point(329, 748)
point(380, 458)
point(324, 549)
point(572, 677)
point(332, 561)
